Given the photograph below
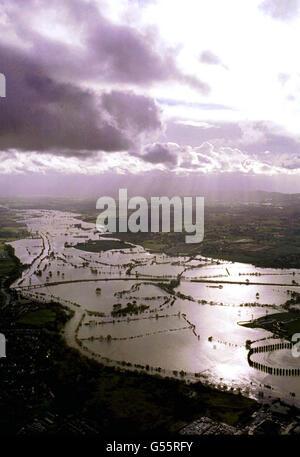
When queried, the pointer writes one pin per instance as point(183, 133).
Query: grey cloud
point(128, 56)
point(159, 153)
point(272, 139)
point(193, 82)
point(209, 58)
point(47, 110)
point(110, 52)
point(131, 112)
point(42, 114)
point(132, 56)
point(254, 137)
point(194, 135)
point(291, 163)
point(268, 144)
point(260, 142)
point(280, 9)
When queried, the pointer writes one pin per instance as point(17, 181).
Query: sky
point(154, 95)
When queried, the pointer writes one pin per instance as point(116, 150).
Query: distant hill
point(89, 204)
point(258, 196)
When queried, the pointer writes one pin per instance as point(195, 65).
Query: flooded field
point(125, 313)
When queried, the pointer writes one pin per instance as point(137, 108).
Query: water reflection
point(193, 330)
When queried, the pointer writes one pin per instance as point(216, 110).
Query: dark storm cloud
point(128, 56)
point(47, 109)
point(132, 56)
point(42, 114)
point(159, 153)
point(131, 112)
point(109, 52)
point(280, 9)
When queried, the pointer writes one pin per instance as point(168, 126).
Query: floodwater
point(194, 330)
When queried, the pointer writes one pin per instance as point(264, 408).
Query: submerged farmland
point(176, 316)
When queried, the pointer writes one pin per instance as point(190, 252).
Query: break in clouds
point(84, 92)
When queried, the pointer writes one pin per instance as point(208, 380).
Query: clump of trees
point(130, 308)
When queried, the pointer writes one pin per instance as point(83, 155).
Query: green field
point(6, 266)
point(266, 236)
point(101, 245)
point(10, 230)
point(38, 318)
point(283, 325)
